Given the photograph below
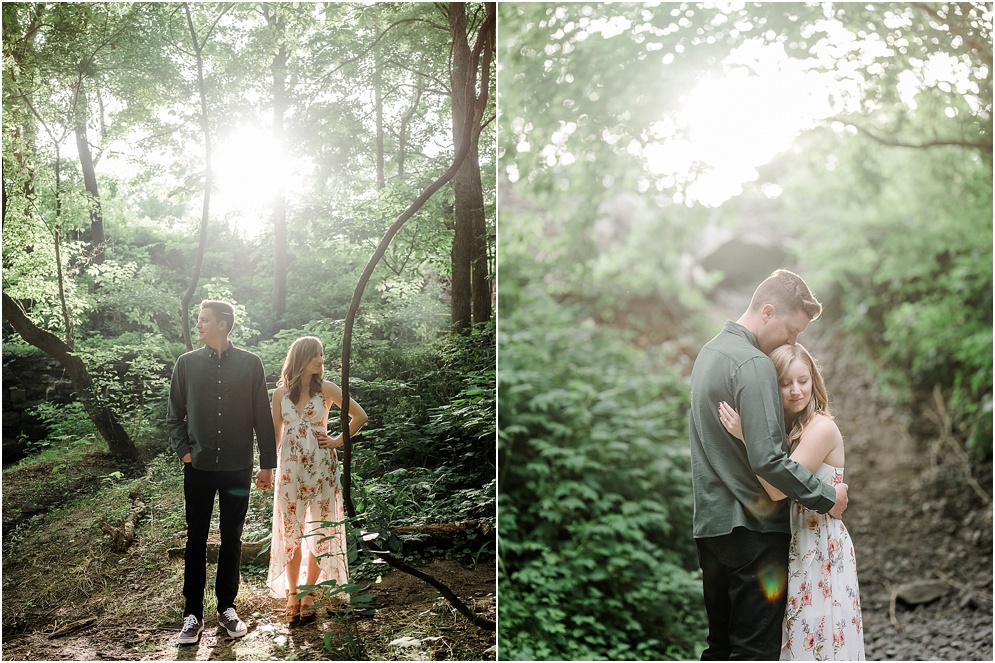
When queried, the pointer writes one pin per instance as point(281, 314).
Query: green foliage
point(909, 267)
point(596, 557)
point(418, 496)
point(430, 407)
point(131, 373)
point(130, 297)
point(67, 424)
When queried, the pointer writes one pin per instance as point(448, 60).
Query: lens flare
point(773, 579)
point(763, 507)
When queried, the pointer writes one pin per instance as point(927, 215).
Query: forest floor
point(68, 596)
point(914, 516)
point(919, 515)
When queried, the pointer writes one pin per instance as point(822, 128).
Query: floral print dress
point(822, 620)
point(308, 496)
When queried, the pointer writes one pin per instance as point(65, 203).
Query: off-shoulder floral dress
point(308, 495)
point(822, 620)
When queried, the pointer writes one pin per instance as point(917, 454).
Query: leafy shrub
point(130, 297)
point(909, 269)
point(131, 373)
point(66, 423)
point(596, 555)
point(430, 407)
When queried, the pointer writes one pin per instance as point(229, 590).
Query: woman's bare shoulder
point(329, 388)
point(824, 428)
point(824, 421)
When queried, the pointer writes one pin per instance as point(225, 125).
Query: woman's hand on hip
point(326, 441)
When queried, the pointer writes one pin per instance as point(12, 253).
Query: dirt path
point(67, 595)
point(912, 516)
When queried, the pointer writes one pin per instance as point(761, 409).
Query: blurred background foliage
point(656, 162)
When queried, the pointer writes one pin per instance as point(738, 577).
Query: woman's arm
point(730, 419)
point(277, 411)
point(332, 393)
point(820, 439)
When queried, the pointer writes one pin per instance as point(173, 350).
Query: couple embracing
point(218, 404)
point(778, 567)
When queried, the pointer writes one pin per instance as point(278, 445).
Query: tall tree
point(198, 43)
point(405, 216)
point(89, 170)
point(471, 58)
point(84, 45)
point(280, 101)
point(22, 73)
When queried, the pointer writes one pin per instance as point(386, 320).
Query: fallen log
point(252, 551)
point(442, 532)
point(72, 627)
point(122, 537)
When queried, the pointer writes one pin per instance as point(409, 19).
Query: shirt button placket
point(217, 457)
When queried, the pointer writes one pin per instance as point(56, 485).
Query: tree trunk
point(471, 300)
point(378, 110)
point(462, 144)
point(97, 239)
point(106, 422)
point(208, 182)
point(67, 318)
point(98, 242)
point(279, 92)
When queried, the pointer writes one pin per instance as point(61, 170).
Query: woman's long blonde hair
point(301, 353)
point(782, 358)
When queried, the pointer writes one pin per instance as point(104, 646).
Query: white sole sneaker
point(190, 636)
point(238, 632)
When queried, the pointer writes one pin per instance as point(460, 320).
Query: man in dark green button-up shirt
point(218, 404)
point(741, 534)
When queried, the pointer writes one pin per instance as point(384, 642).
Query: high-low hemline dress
point(822, 619)
point(307, 506)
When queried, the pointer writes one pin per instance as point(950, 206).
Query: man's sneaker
point(230, 621)
point(191, 630)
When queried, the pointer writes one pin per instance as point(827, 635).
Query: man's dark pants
point(745, 579)
point(199, 489)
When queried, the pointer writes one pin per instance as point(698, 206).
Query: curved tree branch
point(892, 142)
point(208, 176)
point(463, 149)
point(100, 414)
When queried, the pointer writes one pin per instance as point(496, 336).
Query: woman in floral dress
point(308, 492)
point(822, 621)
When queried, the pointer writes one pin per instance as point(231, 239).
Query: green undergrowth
point(596, 556)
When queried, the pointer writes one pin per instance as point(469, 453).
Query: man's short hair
point(788, 292)
point(222, 311)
